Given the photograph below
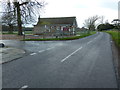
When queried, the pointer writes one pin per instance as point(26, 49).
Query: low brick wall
point(17, 37)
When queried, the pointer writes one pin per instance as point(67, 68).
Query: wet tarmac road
point(82, 63)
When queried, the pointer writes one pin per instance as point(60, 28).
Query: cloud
point(112, 4)
point(82, 9)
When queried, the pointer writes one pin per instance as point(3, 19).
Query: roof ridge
point(58, 17)
point(58, 20)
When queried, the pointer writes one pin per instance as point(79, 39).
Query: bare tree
point(8, 18)
point(101, 20)
point(25, 11)
point(90, 23)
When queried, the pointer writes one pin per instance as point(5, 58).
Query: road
point(82, 63)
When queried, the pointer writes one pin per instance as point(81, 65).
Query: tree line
point(97, 23)
point(15, 28)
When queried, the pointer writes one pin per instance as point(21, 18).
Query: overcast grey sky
point(82, 9)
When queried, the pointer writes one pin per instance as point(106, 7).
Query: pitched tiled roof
point(57, 20)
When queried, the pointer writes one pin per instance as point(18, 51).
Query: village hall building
point(58, 26)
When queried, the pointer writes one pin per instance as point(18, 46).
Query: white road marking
point(23, 87)
point(71, 54)
point(41, 51)
point(23, 52)
point(46, 49)
point(33, 53)
point(89, 42)
point(50, 48)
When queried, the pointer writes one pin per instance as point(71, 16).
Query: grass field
point(115, 36)
point(65, 38)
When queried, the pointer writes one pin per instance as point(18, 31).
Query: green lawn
point(65, 38)
point(116, 36)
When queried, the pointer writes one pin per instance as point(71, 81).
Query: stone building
point(56, 26)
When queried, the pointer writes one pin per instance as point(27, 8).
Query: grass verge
point(57, 39)
point(115, 36)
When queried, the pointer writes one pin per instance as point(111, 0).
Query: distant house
point(56, 26)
